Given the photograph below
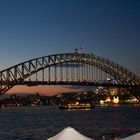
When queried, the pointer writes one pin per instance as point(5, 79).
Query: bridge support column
point(136, 92)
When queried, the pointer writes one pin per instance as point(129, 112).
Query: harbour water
point(40, 123)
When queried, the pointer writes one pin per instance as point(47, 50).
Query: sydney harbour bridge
point(68, 69)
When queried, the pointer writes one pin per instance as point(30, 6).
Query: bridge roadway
point(76, 83)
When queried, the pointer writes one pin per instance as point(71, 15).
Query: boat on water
point(76, 106)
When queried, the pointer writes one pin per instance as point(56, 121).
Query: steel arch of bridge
point(18, 73)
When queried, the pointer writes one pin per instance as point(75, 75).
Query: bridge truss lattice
point(67, 69)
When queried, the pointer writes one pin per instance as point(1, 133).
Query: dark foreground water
point(40, 123)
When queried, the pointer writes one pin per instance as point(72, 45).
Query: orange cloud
point(46, 90)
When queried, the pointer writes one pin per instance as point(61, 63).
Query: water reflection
point(39, 123)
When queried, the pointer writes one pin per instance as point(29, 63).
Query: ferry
point(76, 106)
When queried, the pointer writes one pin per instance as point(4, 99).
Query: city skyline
point(34, 28)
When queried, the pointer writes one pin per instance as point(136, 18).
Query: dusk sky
point(34, 28)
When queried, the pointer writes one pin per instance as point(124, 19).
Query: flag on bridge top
point(82, 47)
point(76, 50)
